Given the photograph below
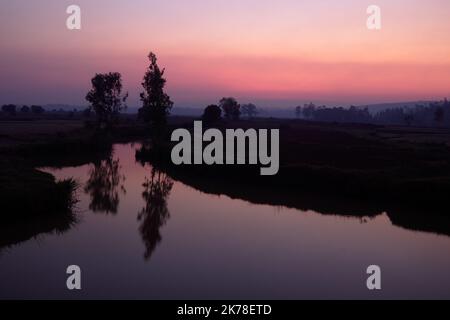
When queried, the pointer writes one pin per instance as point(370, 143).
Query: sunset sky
point(275, 53)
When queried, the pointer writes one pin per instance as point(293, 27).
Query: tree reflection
point(155, 212)
point(104, 185)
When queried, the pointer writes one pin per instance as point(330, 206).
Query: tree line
point(12, 109)
point(433, 114)
point(107, 100)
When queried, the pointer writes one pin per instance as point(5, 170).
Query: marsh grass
point(26, 191)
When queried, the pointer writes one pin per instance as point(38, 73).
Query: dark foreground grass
point(26, 191)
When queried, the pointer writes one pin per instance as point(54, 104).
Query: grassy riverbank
point(26, 145)
point(396, 166)
point(346, 169)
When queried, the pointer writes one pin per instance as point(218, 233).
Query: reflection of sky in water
point(216, 247)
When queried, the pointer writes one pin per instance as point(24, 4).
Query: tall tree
point(156, 104)
point(106, 98)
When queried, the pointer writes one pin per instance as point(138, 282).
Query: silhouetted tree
point(430, 114)
point(106, 98)
point(155, 212)
point(250, 110)
point(9, 109)
point(231, 108)
point(393, 115)
point(25, 109)
point(308, 110)
point(212, 113)
point(37, 109)
point(156, 104)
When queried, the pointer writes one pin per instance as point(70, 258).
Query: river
point(141, 234)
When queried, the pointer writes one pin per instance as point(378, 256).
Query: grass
point(35, 204)
point(25, 191)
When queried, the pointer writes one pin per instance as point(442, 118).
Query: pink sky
point(285, 52)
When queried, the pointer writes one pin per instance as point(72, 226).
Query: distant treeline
point(433, 114)
point(12, 109)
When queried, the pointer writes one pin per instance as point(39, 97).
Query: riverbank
point(26, 191)
point(351, 169)
point(385, 166)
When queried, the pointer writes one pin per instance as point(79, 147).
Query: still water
point(141, 234)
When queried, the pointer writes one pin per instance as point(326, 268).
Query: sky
point(274, 53)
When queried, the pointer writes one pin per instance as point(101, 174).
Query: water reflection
point(433, 218)
point(155, 212)
point(290, 245)
point(104, 185)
